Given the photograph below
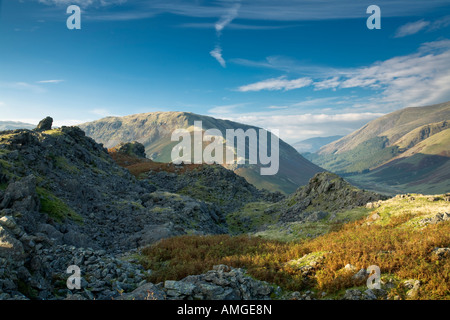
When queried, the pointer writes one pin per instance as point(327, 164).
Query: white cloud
point(50, 81)
point(227, 109)
point(411, 28)
point(280, 83)
point(417, 26)
point(101, 112)
point(217, 54)
point(231, 14)
point(417, 79)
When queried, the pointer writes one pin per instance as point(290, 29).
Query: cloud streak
point(227, 18)
point(417, 79)
point(50, 81)
point(280, 83)
point(412, 28)
point(217, 54)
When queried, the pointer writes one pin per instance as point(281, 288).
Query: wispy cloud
point(280, 83)
point(50, 81)
point(101, 112)
point(226, 109)
point(225, 19)
point(217, 54)
point(412, 28)
point(231, 14)
point(417, 79)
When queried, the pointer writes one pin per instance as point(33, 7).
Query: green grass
point(56, 209)
point(54, 132)
point(251, 217)
point(294, 231)
point(63, 164)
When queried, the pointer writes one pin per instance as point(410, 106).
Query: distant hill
point(314, 144)
point(13, 125)
point(404, 151)
point(154, 131)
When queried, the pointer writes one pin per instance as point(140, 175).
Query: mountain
point(12, 125)
point(404, 151)
point(154, 131)
point(314, 144)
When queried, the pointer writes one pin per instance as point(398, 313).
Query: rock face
point(45, 124)
point(325, 193)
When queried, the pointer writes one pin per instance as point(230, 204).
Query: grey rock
point(45, 124)
point(146, 291)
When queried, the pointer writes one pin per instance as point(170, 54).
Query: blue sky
point(308, 68)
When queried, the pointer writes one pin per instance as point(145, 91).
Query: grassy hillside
point(392, 126)
point(154, 131)
point(405, 151)
point(424, 168)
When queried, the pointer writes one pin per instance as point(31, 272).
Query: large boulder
point(45, 124)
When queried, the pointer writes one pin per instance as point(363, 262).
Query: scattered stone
point(221, 283)
point(442, 253)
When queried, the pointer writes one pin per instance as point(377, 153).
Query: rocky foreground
point(64, 201)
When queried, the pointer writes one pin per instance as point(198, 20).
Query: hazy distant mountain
point(404, 151)
point(314, 144)
point(154, 131)
point(12, 125)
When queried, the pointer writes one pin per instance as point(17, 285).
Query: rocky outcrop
point(134, 148)
point(45, 124)
point(213, 184)
point(325, 193)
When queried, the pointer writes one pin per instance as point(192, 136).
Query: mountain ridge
point(154, 131)
point(404, 151)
